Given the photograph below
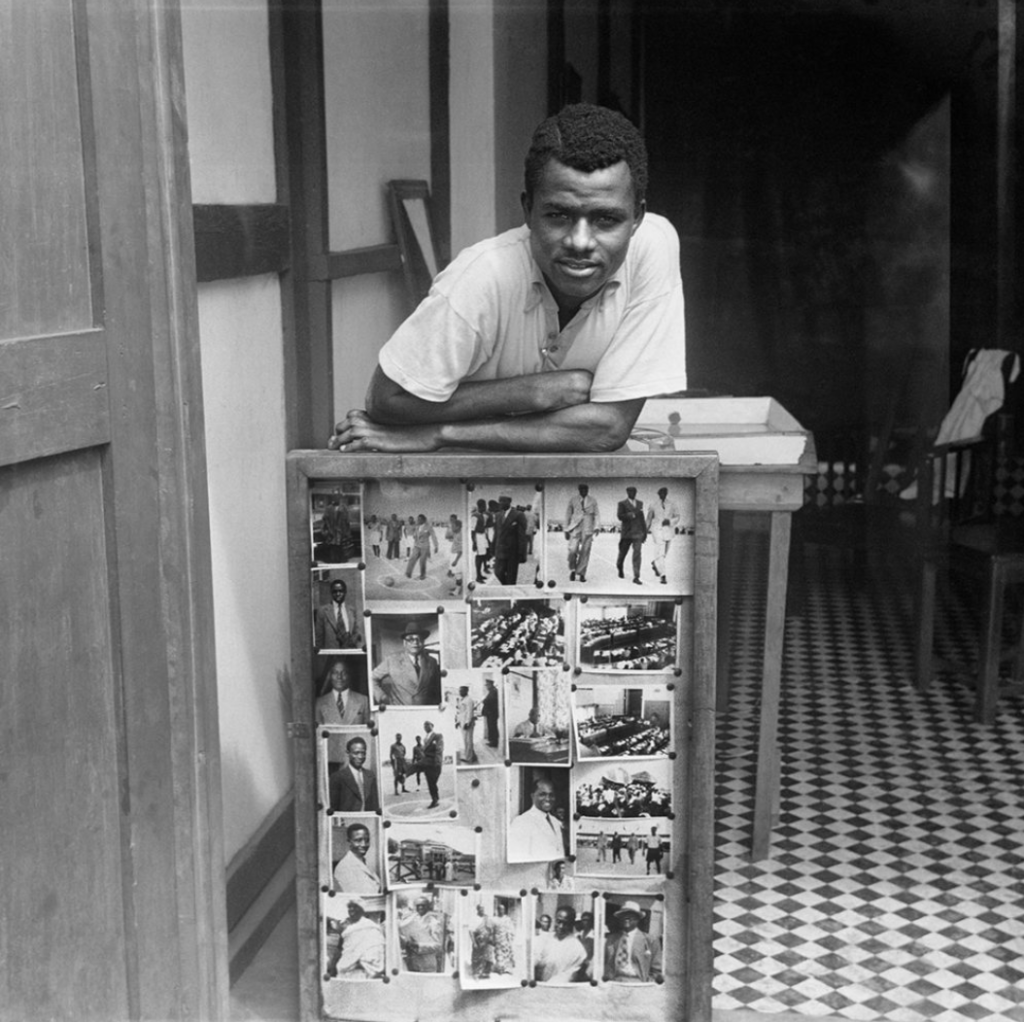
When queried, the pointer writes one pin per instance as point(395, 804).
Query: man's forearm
point(390, 404)
point(587, 427)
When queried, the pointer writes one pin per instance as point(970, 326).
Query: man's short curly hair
point(588, 138)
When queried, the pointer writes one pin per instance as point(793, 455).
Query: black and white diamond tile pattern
point(894, 891)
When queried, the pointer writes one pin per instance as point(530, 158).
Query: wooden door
point(111, 871)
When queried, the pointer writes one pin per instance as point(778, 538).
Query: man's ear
point(639, 217)
point(524, 201)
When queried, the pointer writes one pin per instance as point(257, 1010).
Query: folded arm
point(586, 427)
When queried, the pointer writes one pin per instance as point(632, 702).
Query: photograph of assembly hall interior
point(200, 267)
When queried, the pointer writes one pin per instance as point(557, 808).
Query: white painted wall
point(227, 81)
point(227, 86)
point(377, 100)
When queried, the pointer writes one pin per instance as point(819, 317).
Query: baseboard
point(260, 885)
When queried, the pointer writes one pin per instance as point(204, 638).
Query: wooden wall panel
point(47, 288)
point(59, 758)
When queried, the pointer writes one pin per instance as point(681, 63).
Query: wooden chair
point(958, 531)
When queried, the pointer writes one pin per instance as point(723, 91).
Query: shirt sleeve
point(647, 355)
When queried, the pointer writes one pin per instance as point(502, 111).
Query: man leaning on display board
point(550, 336)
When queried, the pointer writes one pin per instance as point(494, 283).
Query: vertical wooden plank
point(767, 785)
point(726, 575)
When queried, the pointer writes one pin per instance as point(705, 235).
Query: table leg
point(766, 796)
point(726, 570)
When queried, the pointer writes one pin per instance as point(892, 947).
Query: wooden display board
point(503, 694)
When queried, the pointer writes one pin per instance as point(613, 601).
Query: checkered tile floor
point(895, 885)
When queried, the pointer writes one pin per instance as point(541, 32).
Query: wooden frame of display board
point(580, 702)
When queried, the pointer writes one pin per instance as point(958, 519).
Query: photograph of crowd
point(503, 524)
point(354, 856)
point(516, 633)
point(338, 611)
point(348, 777)
point(476, 699)
point(562, 949)
point(538, 804)
point(612, 720)
point(602, 536)
point(628, 636)
point(633, 939)
point(335, 516)
point(354, 943)
point(623, 789)
point(419, 853)
point(414, 541)
point(425, 927)
point(539, 705)
point(405, 654)
point(626, 847)
point(429, 740)
point(492, 940)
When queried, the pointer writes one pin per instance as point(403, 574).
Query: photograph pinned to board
point(638, 635)
point(613, 720)
point(492, 940)
point(563, 946)
point(516, 633)
point(634, 847)
point(341, 689)
point(633, 938)
point(476, 699)
point(505, 539)
point(406, 657)
point(429, 737)
point(539, 709)
point(338, 622)
point(353, 940)
point(355, 860)
point(347, 769)
point(622, 788)
point(415, 539)
point(335, 522)
point(599, 539)
point(539, 813)
point(434, 853)
point(425, 930)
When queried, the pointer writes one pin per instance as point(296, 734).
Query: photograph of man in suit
point(353, 787)
point(536, 835)
point(433, 760)
point(630, 955)
point(334, 623)
point(509, 541)
point(340, 704)
point(632, 532)
point(581, 517)
point(353, 873)
point(410, 676)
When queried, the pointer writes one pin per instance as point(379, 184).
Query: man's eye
point(555, 216)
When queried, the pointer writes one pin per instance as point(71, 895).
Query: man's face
point(629, 922)
point(338, 591)
point(357, 755)
point(586, 922)
point(580, 227)
point(563, 923)
point(413, 644)
point(339, 677)
point(545, 923)
point(584, 489)
point(663, 493)
point(544, 796)
point(422, 906)
point(631, 492)
point(359, 842)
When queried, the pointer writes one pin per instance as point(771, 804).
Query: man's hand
point(358, 432)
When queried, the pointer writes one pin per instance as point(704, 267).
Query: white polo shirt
point(490, 315)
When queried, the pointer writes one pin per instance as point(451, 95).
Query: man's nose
point(580, 237)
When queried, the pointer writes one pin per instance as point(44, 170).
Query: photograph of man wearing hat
point(509, 541)
point(631, 956)
point(410, 676)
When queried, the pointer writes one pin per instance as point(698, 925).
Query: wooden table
point(742, 430)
